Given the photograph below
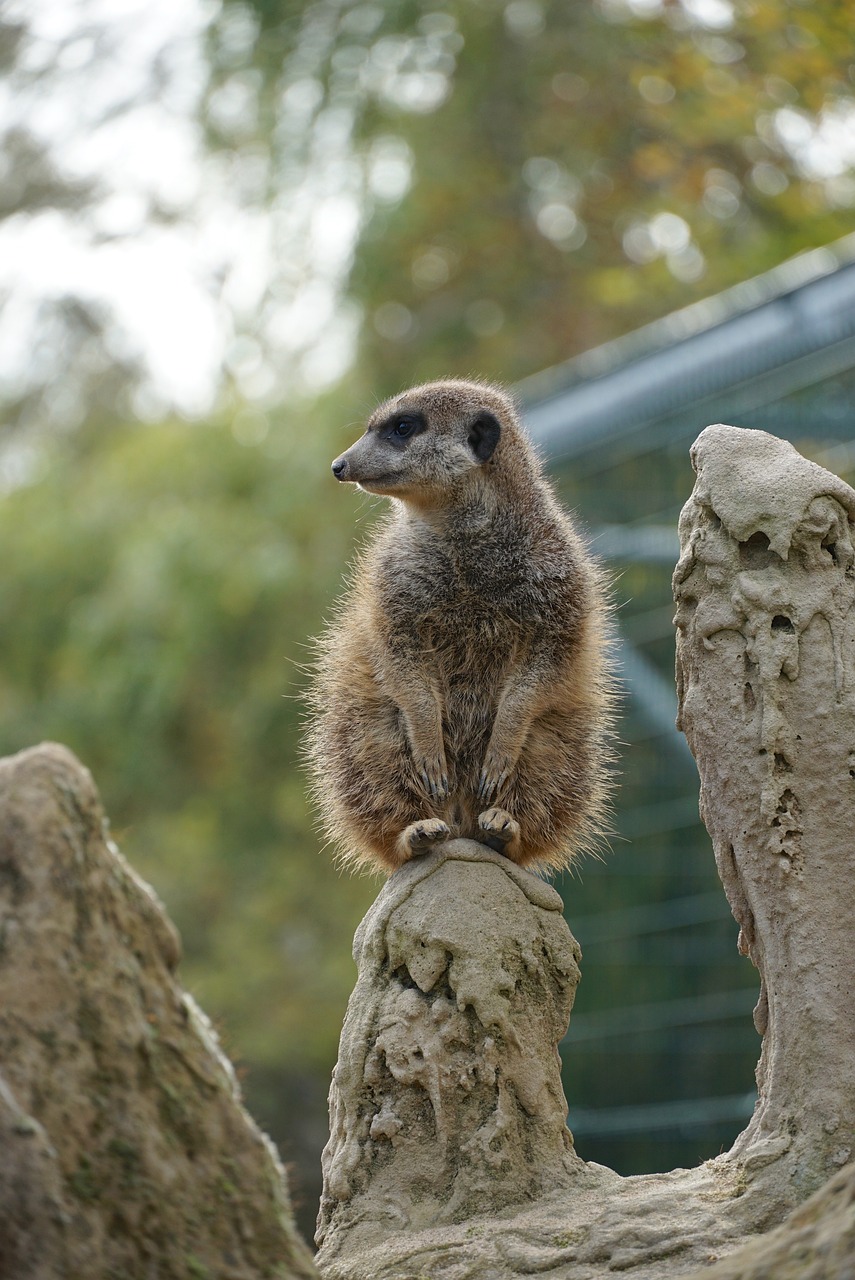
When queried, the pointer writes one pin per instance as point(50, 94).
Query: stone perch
point(447, 1094)
point(126, 1150)
point(448, 1154)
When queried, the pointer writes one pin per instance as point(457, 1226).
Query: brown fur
point(462, 689)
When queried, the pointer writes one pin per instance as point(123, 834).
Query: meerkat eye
point(399, 427)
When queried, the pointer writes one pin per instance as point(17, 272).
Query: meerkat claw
point(490, 785)
point(434, 780)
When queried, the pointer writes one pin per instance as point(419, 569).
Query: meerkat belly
point(474, 657)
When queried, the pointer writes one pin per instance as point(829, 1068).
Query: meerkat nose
point(339, 468)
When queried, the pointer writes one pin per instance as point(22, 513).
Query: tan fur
point(462, 689)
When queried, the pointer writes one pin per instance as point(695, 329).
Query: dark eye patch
point(401, 427)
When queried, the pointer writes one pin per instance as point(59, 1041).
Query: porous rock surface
point(126, 1150)
point(765, 589)
point(447, 1093)
point(766, 653)
point(449, 1154)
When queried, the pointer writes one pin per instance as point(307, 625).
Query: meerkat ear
point(484, 435)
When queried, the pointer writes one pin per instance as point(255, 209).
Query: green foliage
point(538, 179)
point(163, 586)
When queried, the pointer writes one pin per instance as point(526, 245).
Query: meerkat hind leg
point(500, 831)
point(420, 837)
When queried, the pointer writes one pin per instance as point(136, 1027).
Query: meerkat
point(462, 689)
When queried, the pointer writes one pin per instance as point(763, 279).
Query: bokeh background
point(227, 229)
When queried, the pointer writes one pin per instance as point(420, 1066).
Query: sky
point(171, 247)
point(84, 63)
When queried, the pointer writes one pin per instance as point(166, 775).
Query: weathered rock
point(766, 651)
point(447, 1095)
point(32, 1218)
point(765, 589)
point(817, 1241)
point(126, 1151)
point(449, 1154)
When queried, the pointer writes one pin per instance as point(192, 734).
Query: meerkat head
point(430, 440)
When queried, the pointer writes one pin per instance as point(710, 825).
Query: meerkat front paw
point(500, 831)
point(420, 837)
point(494, 774)
point(433, 775)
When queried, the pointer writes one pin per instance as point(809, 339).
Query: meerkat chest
point(472, 603)
point(437, 592)
point(474, 649)
point(466, 639)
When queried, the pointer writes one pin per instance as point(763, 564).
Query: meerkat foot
point(420, 837)
point(500, 831)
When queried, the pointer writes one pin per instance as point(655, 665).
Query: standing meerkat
point(462, 689)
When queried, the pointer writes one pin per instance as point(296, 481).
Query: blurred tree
point(485, 186)
point(162, 587)
point(72, 96)
point(521, 180)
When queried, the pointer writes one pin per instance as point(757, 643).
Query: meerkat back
point(462, 688)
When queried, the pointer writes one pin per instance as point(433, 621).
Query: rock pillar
point(765, 589)
point(447, 1100)
point(125, 1148)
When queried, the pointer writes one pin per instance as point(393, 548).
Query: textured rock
point(817, 1241)
point(447, 1094)
point(766, 673)
point(126, 1151)
point(449, 1154)
point(766, 653)
point(32, 1219)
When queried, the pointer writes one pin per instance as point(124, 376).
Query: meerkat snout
point(376, 460)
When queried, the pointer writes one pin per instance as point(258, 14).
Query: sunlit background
point(227, 230)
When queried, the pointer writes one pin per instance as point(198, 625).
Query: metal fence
point(661, 1050)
